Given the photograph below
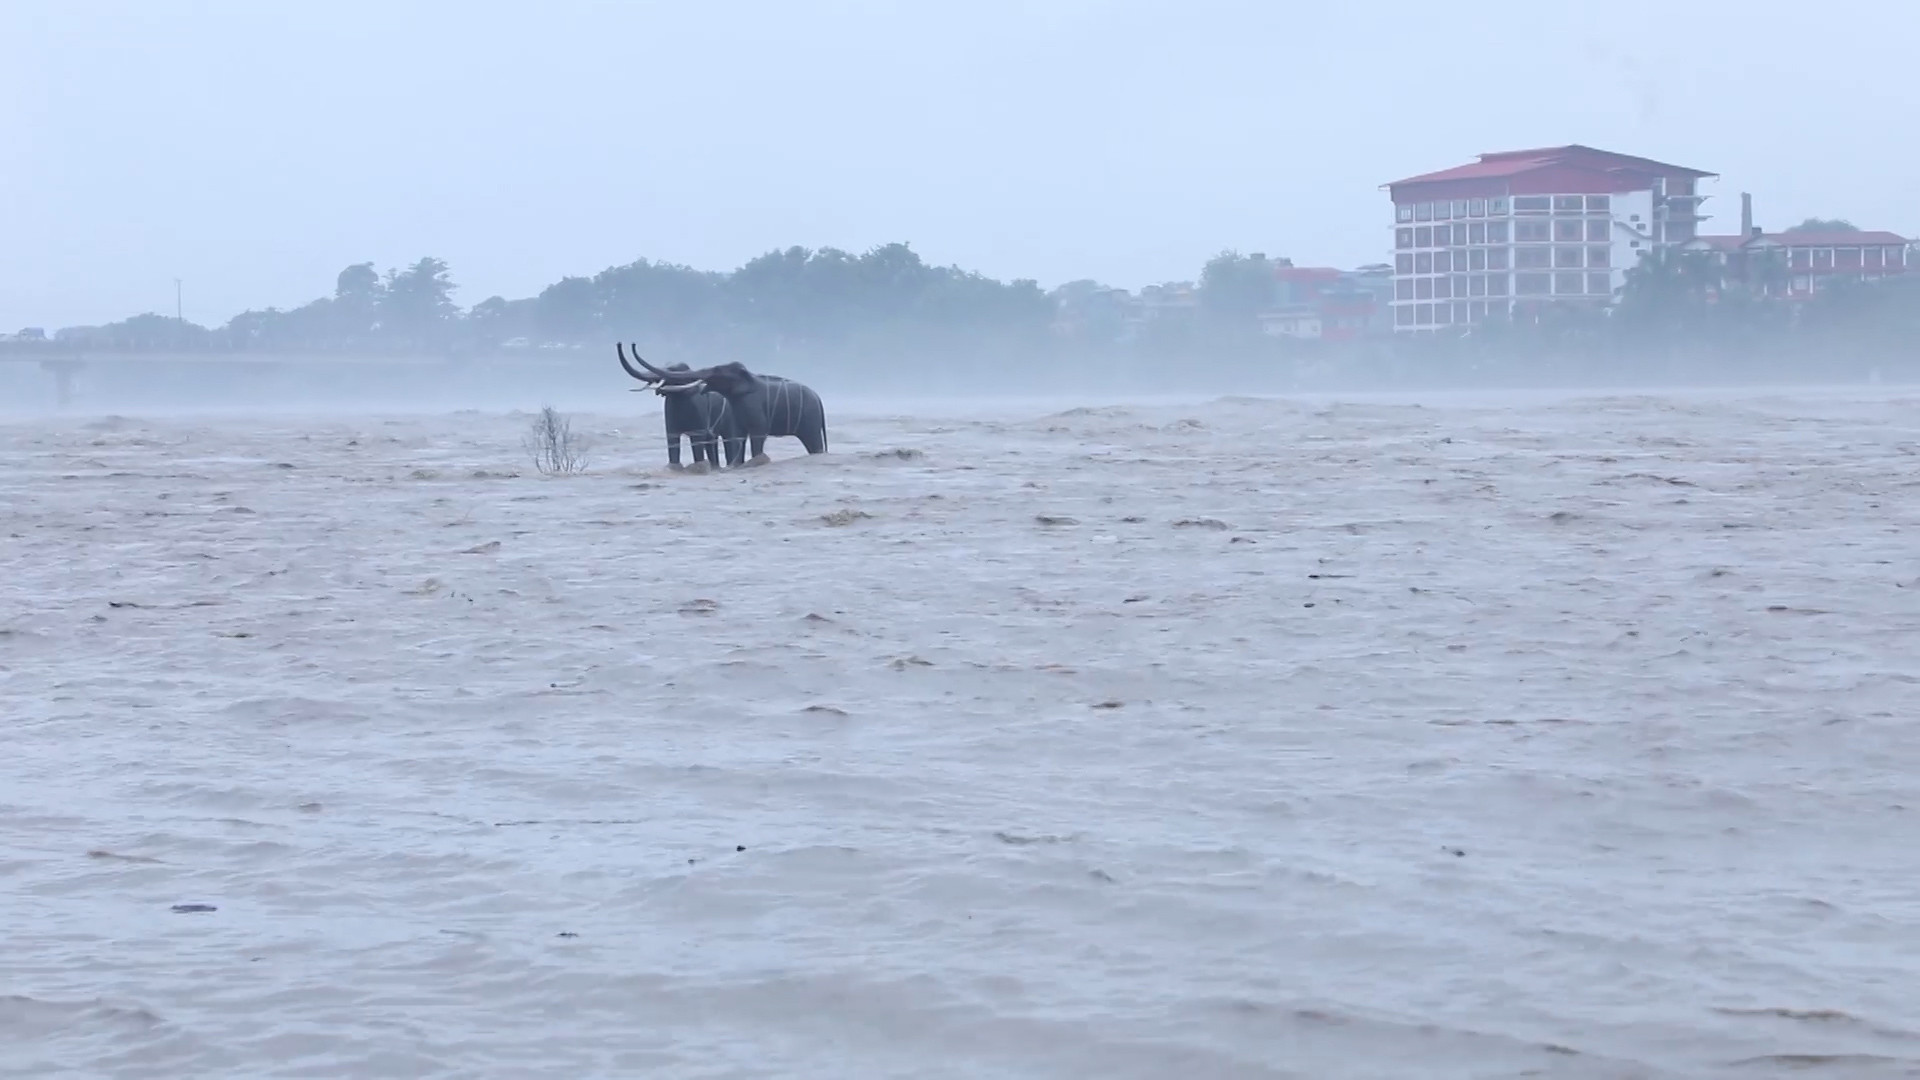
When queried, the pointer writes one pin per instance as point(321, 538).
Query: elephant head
point(729, 380)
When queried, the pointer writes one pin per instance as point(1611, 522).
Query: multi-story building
point(1801, 261)
point(1522, 228)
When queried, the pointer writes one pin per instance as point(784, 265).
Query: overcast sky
point(254, 149)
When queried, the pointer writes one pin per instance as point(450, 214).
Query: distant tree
point(1235, 289)
point(416, 305)
point(497, 320)
point(1814, 224)
point(657, 301)
point(151, 332)
point(1668, 289)
point(357, 298)
point(567, 310)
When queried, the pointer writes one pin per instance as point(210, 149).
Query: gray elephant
point(706, 419)
point(765, 406)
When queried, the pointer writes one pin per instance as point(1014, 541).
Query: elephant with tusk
point(764, 406)
point(706, 419)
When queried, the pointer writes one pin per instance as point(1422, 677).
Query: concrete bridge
point(99, 378)
point(62, 368)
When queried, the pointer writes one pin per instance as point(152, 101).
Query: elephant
point(765, 406)
point(706, 419)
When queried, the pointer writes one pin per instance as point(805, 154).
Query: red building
point(1524, 227)
point(1800, 262)
point(1320, 303)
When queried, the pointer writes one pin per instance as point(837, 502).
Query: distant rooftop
point(1591, 168)
point(1808, 238)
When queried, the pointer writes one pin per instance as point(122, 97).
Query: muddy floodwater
point(1241, 738)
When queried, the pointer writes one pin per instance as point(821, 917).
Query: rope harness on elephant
point(783, 393)
point(716, 416)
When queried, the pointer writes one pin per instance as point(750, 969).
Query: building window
point(1599, 256)
point(1403, 316)
point(1442, 314)
point(1459, 236)
point(1423, 236)
point(1403, 264)
point(1568, 204)
point(1569, 284)
point(1872, 256)
point(1423, 212)
point(1497, 207)
point(1442, 210)
point(1532, 258)
point(1476, 208)
point(1599, 204)
point(1423, 263)
point(1600, 284)
point(1567, 258)
point(1598, 230)
point(1823, 259)
point(1802, 284)
point(1532, 284)
point(1496, 284)
point(1847, 258)
point(1442, 288)
point(1403, 289)
point(1477, 260)
point(1497, 258)
point(1801, 258)
point(1533, 231)
point(1570, 231)
point(1423, 288)
point(1403, 238)
point(1532, 204)
point(1496, 232)
point(1442, 262)
point(1477, 233)
point(1403, 212)
point(1477, 285)
point(1423, 314)
point(1459, 208)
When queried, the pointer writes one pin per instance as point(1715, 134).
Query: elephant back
point(792, 407)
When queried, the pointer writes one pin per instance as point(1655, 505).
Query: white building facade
point(1499, 238)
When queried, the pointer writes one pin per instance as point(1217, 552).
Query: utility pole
point(176, 301)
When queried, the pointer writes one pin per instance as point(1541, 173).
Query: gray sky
point(254, 149)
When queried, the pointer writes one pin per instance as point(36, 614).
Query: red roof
point(1588, 170)
point(1808, 238)
point(1840, 238)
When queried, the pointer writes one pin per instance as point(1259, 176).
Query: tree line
point(790, 297)
point(1676, 306)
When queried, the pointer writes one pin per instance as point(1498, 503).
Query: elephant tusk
point(652, 373)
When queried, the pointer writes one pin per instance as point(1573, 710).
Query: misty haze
point(958, 540)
